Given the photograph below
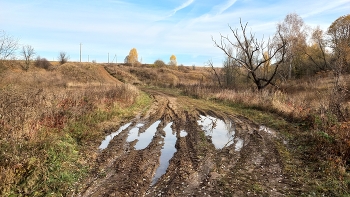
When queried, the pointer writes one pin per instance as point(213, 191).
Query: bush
point(42, 63)
point(63, 58)
point(159, 63)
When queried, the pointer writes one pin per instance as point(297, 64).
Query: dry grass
point(320, 137)
point(308, 103)
point(167, 76)
point(48, 116)
point(45, 123)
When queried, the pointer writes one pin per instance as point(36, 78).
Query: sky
point(157, 28)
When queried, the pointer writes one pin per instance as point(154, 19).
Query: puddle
point(221, 133)
point(109, 137)
point(145, 138)
point(167, 152)
point(239, 144)
point(134, 133)
point(183, 133)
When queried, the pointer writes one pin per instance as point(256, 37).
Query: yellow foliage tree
point(133, 56)
point(173, 61)
point(267, 63)
point(339, 33)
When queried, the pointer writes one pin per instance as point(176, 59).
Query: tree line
point(133, 59)
point(294, 51)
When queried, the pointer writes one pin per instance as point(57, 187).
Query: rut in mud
point(172, 151)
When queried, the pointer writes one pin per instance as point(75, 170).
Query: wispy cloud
point(215, 13)
point(182, 6)
point(325, 6)
point(219, 9)
point(118, 25)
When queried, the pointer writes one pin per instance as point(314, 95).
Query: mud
point(173, 151)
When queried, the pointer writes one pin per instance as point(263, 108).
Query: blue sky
point(157, 28)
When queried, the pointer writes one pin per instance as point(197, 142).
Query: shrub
point(159, 63)
point(63, 58)
point(42, 63)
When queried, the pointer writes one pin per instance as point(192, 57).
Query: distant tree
point(294, 32)
point(249, 53)
point(214, 72)
point(63, 57)
point(126, 59)
point(159, 63)
point(27, 53)
point(317, 52)
point(229, 72)
point(339, 33)
point(173, 61)
point(42, 63)
point(8, 46)
point(267, 64)
point(132, 58)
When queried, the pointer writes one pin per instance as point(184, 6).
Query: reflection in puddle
point(167, 152)
point(146, 137)
point(239, 144)
point(134, 133)
point(183, 133)
point(222, 133)
point(109, 137)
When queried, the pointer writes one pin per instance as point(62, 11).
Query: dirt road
point(182, 149)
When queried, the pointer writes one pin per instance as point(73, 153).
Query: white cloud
point(223, 7)
point(182, 6)
point(115, 26)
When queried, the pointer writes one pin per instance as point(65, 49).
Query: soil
point(197, 168)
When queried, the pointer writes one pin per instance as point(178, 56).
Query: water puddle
point(167, 152)
point(183, 133)
point(239, 144)
point(146, 137)
point(134, 133)
point(109, 137)
point(221, 132)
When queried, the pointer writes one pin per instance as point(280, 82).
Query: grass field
point(52, 120)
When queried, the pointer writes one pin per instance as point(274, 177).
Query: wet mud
point(177, 151)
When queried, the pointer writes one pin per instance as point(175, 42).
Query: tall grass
point(320, 139)
point(44, 132)
point(305, 102)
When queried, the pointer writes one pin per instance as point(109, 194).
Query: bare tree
point(214, 72)
point(8, 46)
point(27, 53)
point(250, 53)
point(319, 55)
point(63, 57)
point(126, 59)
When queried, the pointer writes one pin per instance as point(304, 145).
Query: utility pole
point(88, 58)
point(115, 57)
point(80, 52)
point(108, 58)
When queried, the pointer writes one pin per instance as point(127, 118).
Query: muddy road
point(179, 148)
